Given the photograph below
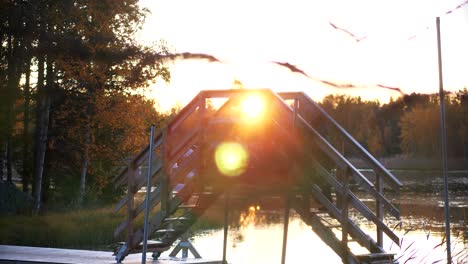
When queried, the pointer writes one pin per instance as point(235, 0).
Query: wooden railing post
point(226, 224)
point(165, 177)
point(202, 119)
point(344, 211)
point(287, 201)
point(379, 207)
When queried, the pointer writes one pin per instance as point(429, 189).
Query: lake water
point(255, 234)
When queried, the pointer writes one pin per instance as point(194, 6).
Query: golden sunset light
point(364, 43)
point(253, 107)
point(242, 132)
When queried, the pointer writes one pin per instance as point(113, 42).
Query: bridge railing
point(173, 158)
point(309, 111)
point(178, 151)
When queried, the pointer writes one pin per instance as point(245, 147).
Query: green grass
point(90, 229)
point(80, 229)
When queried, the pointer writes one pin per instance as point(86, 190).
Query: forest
point(69, 111)
point(71, 116)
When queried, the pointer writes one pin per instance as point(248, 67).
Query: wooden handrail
point(340, 159)
point(138, 159)
point(358, 204)
point(375, 164)
point(185, 113)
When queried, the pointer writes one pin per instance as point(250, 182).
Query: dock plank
point(22, 254)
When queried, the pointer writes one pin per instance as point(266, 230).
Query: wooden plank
point(36, 255)
point(231, 92)
point(377, 258)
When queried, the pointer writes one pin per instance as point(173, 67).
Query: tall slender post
point(287, 198)
point(444, 144)
point(148, 193)
point(379, 208)
point(287, 208)
point(226, 224)
point(344, 211)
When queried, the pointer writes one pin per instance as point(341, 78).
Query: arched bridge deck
point(277, 142)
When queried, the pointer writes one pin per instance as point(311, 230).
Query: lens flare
point(253, 107)
point(231, 158)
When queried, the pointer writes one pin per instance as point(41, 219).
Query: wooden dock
point(36, 255)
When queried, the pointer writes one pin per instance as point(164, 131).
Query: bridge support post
point(379, 208)
point(185, 245)
point(226, 224)
point(287, 208)
point(344, 213)
point(165, 179)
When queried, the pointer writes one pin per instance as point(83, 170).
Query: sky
point(365, 43)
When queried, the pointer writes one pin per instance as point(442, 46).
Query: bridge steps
point(295, 148)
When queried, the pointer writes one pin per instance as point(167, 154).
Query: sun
point(253, 107)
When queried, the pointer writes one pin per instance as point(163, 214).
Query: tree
point(359, 118)
point(82, 48)
point(420, 130)
point(112, 62)
point(119, 131)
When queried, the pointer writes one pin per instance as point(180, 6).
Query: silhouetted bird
point(191, 56)
point(347, 32)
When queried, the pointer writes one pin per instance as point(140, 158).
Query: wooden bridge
point(276, 143)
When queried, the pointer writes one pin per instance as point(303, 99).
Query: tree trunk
point(43, 109)
point(13, 60)
point(2, 163)
point(26, 157)
point(9, 161)
point(85, 157)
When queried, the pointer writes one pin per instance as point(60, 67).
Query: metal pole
point(444, 145)
point(226, 223)
point(148, 193)
point(287, 208)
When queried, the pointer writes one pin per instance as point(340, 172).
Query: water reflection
point(260, 242)
point(256, 230)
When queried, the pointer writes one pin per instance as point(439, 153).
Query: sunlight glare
point(231, 158)
point(253, 107)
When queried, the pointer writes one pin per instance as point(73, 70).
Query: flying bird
point(457, 7)
point(292, 68)
point(191, 56)
point(391, 88)
point(356, 38)
point(295, 69)
point(348, 85)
